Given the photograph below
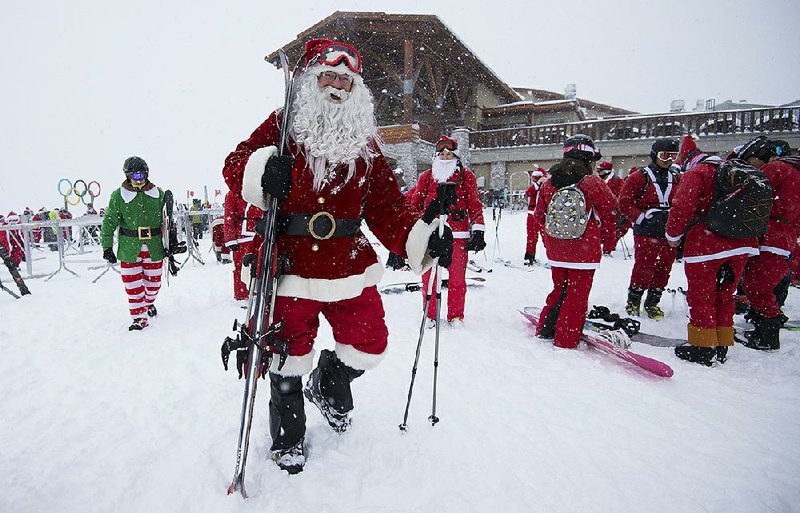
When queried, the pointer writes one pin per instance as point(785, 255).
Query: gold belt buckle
point(146, 230)
point(311, 225)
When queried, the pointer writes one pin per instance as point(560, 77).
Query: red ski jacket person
point(465, 219)
point(713, 264)
point(573, 261)
point(332, 181)
point(765, 271)
point(645, 199)
point(239, 232)
point(532, 238)
point(605, 170)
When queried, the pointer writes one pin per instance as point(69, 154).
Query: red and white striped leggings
point(142, 280)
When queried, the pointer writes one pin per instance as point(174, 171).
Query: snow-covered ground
point(99, 419)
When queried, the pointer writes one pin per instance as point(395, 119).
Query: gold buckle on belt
point(311, 225)
point(146, 230)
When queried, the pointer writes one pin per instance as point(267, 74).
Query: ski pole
point(433, 418)
point(427, 302)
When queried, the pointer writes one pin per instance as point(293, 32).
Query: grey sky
point(88, 83)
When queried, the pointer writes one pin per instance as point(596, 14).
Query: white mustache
point(335, 95)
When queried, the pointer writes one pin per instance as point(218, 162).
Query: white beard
point(442, 170)
point(333, 131)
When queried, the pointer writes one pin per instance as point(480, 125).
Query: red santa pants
point(575, 285)
point(142, 280)
point(533, 234)
point(240, 291)
point(712, 305)
point(356, 322)
point(762, 274)
point(652, 262)
point(456, 283)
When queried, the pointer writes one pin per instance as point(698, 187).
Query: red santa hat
point(332, 56)
point(604, 168)
point(688, 149)
point(538, 172)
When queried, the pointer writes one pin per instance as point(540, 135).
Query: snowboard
point(23, 289)
point(593, 340)
point(416, 286)
point(169, 233)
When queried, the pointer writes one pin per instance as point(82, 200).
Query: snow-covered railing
point(750, 121)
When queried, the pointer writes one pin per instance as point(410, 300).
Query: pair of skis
point(416, 286)
point(258, 334)
point(596, 341)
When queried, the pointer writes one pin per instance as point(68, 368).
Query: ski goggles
point(446, 144)
point(667, 156)
point(333, 54)
point(138, 175)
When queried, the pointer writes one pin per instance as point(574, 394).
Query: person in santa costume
point(221, 251)
point(136, 208)
point(331, 181)
point(538, 176)
point(766, 270)
point(239, 228)
point(645, 199)
point(605, 170)
point(573, 258)
point(713, 263)
point(14, 242)
point(465, 218)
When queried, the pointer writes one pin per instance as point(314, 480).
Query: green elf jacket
point(134, 209)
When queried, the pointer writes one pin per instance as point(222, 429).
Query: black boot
point(651, 304)
point(766, 336)
point(287, 422)
point(151, 311)
point(530, 258)
point(634, 300)
point(328, 388)
point(696, 354)
point(548, 329)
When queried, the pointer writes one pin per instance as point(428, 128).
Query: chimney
point(676, 105)
point(570, 92)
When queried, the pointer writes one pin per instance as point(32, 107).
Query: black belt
point(142, 233)
point(321, 226)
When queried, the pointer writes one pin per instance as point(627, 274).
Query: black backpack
point(742, 201)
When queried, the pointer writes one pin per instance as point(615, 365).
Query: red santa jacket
point(689, 206)
point(468, 210)
point(583, 252)
point(785, 180)
point(639, 195)
point(240, 220)
point(338, 267)
point(531, 193)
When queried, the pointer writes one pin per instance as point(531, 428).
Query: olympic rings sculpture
point(80, 189)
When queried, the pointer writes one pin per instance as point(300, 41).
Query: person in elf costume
point(136, 209)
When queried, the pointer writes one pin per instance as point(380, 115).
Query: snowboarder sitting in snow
point(576, 210)
point(136, 208)
point(332, 178)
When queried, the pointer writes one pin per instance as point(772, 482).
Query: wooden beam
point(408, 81)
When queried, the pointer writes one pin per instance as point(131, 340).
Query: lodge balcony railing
point(750, 121)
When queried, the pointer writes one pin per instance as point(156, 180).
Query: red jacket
point(240, 220)
point(468, 210)
point(614, 183)
point(785, 180)
point(531, 193)
point(638, 194)
point(584, 252)
point(691, 202)
point(338, 267)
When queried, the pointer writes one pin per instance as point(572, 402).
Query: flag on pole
point(217, 192)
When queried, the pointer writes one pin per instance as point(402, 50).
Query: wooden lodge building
point(426, 83)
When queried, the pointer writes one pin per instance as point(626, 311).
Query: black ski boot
point(651, 307)
point(696, 354)
point(634, 300)
point(548, 329)
point(722, 354)
point(287, 422)
point(151, 311)
point(328, 388)
point(766, 336)
point(530, 259)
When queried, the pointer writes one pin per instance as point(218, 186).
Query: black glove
point(442, 247)
point(445, 198)
point(233, 247)
point(476, 242)
point(109, 256)
point(277, 177)
point(395, 262)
